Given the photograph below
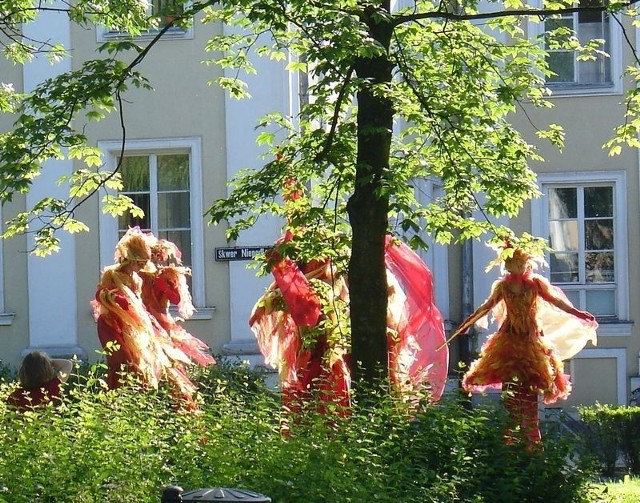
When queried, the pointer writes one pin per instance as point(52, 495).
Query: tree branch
point(452, 16)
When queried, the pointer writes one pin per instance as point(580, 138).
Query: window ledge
point(201, 313)
point(7, 318)
point(569, 91)
point(171, 34)
point(615, 328)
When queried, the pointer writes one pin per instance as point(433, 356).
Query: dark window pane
point(599, 267)
point(559, 22)
point(173, 172)
point(142, 201)
point(135, 173)
point(598, 202)
point(173, 210)
point(599, 234)
point(167, 7)
point(590, 16)
point(563, 203)
point(564, 267)
point(562, 64)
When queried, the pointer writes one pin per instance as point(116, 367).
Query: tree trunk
point(368, 214)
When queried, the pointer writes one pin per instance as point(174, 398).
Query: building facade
point(186, 139)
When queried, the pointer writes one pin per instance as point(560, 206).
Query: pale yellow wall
point(181, 105)
point(588, 123)
point(595, 381)
point(14, 337)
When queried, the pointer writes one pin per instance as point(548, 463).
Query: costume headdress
point(525, 249)
point(134, 246)
point(163, 251)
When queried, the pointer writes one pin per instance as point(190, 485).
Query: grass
point(624, 490)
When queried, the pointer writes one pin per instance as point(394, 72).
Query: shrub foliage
point(127, 444)
point(613, 432)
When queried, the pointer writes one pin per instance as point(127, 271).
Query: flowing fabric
point(322, 364)
point(417, 357)
point(168, 287)
point(123, 320)
point(312, 351)
point(525, 347)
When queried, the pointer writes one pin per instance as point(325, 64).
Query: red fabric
point(518, 351)
point(521, 403)
point(323, 368)
point(416, 352)
point(167, 290)
point(119, 360)
point(28, 399)
point(157, 294)
point(302, 302)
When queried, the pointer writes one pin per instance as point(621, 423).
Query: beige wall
point(588, 122)
point(595, 381)
point(15, 336)
point(181, 105)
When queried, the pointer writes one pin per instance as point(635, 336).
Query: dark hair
point(36, 370)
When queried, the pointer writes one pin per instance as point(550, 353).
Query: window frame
point(5, 318)
point(436, 257)
point(536, 29)
point(104, 34)
point(109, 225)
point(618, 325)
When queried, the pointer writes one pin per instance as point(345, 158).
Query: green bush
point(613, 430)
point(126, 445)
point(7, 373)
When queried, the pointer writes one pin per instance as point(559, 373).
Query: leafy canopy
point(455, 84)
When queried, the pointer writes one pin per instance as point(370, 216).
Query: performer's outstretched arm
point(483, 310)
point(547, 294)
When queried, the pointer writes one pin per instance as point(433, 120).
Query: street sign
point(238, 253)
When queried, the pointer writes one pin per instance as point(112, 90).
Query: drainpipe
point(464, 341)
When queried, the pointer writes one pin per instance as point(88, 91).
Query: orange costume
point(538, 329)
point(134, 338)
point(169, 286)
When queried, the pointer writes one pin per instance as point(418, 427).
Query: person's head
point(164, 251)
point(36, 370)
point(134, 246)
point(133, 251)
point(519, 262)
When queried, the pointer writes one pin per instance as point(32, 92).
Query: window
point(166, 11)
point(581, 229)
point(600, 75)
point(586, 26)
point(163, 179)
point(585, 222)
point(163, 11)
point(159, 183)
